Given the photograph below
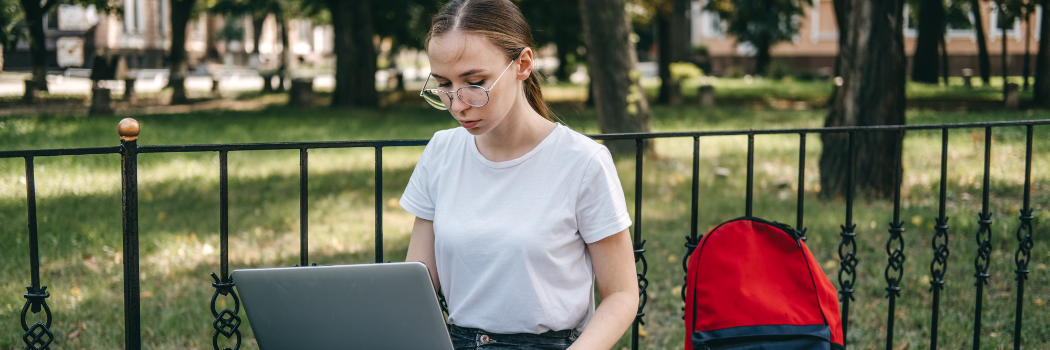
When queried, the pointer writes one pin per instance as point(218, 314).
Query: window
point(131, 16)
point(825, 28)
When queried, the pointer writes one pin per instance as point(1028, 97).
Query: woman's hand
point(614, 270)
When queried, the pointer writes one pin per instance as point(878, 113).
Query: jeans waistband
point(548, 334)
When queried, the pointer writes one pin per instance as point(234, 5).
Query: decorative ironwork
point(1023, 255)
point(984, 241)
point(226, 322)
point(690, 246)
point(38, 336)
point(693, 239)
point(895, 260)
point(442, 302)
point(939, 265)
point(643, 283)
point(848, 262)
point(1024, 247)
point(984, 248)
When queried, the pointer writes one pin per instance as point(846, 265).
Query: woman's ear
point(526, 66)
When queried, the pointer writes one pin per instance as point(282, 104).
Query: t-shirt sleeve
point(417, 199)
point(601, 209)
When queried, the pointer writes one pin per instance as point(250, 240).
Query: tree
point(12, 25)
point(258, 11)
point(925, 62)
point(1027, 9)
point(1007, 11)
point(760, 23)
point(1041, 90)
point(355, 59)
point(619, 98)
point(871, 63)
point(33, 12)
point(671, 22)
point(556, 22)
point(984, 63)
point(405, 23)
point(181, 12)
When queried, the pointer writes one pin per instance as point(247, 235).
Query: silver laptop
point(373, 306)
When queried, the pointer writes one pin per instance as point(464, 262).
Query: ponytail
point(535, 97)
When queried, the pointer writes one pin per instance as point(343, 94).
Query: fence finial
point(129, 129)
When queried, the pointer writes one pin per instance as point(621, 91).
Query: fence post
point(226, 321)
point(984, 248)
point(939, 265)
point(37, 336)
point(639, 244)
point(895, 259)
point(129, 134)
point(1024, 243)
point(848, 247)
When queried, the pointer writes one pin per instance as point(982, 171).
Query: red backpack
point(753, 284)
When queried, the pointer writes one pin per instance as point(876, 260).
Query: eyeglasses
point(472, 95)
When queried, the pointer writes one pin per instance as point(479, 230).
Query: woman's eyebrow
point(465, 74)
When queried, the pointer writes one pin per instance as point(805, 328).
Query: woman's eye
point(477, 83)
point(445, 85)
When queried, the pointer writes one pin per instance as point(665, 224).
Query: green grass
point(79, 216)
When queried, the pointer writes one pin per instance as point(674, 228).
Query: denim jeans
point(476, 339)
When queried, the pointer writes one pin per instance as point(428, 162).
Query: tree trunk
point(663, 59)
point(762, 57)
point(926, 61)
point(564, 71)
point(1003, 57)
point(1026, 68)
point(873, 71)
point(34, 18)
point(984, 63)
point(1041, 90)
point(180, 16)
point(355, 59)
point(844, 56)
point(618, 96)
point(258, 20)
point(286, 53)
point(944, 60)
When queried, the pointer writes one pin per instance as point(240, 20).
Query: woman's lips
point(468, 124)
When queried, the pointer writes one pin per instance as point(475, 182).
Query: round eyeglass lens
point(436, 98)
point(474, 95)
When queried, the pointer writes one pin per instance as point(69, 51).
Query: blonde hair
point(501, 22)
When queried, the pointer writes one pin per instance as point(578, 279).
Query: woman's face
point(459, 59)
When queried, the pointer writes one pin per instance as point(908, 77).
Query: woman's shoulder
point(577, 145)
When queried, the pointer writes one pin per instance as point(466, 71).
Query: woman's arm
point(614, 270)
point(421, 248)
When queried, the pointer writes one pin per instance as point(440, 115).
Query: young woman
point(517, 216)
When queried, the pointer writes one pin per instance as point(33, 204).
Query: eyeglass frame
point(449, 93)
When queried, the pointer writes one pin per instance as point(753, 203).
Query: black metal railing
point(226, 322)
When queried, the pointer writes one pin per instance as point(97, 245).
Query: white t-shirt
point(510, 237)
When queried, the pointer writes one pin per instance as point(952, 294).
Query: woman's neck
point(521, 130)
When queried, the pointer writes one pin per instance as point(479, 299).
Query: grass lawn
point(79, 216)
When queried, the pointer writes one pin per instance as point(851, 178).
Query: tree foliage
point(556, 22)
point(12, 26)
point(760, 23)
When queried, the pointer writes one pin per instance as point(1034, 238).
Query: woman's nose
point(456, 105)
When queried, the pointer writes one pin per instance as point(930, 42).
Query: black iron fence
point(227, 321)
